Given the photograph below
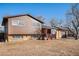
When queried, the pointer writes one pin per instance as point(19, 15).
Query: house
point(62, 32)
point(21, 27)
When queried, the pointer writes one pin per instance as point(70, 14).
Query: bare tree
point(73, 20)
point(41, 18)
point(53, 23)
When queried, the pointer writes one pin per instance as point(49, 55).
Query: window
point(18, 23)
point(17, 37)
point(15, 22)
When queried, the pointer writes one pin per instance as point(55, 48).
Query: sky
point(47, 10)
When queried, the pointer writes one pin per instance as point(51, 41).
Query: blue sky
point(48, 11)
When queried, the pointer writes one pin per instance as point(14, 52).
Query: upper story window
point(36, 25)
point(18, 23)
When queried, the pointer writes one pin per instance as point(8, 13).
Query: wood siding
point(27, 28)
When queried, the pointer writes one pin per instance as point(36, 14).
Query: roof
point(61, 28)
point(6, 18)
point(46, 26)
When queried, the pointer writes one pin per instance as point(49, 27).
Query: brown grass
point(41, 48)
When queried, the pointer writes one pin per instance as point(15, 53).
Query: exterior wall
point(28, 26)
point(11, 39)
point(58, 34)
point(36, 27)
point(61, 34)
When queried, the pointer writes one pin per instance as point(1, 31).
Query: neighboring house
point(62, 32)
point(21, 27)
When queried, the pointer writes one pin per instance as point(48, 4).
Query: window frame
point(17, 37)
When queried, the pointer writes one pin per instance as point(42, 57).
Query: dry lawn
point(40, 48)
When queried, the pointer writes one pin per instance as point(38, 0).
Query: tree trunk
point(76, 37)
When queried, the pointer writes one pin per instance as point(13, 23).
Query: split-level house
point(21, 27)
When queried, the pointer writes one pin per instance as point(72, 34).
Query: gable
point(5, 19)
